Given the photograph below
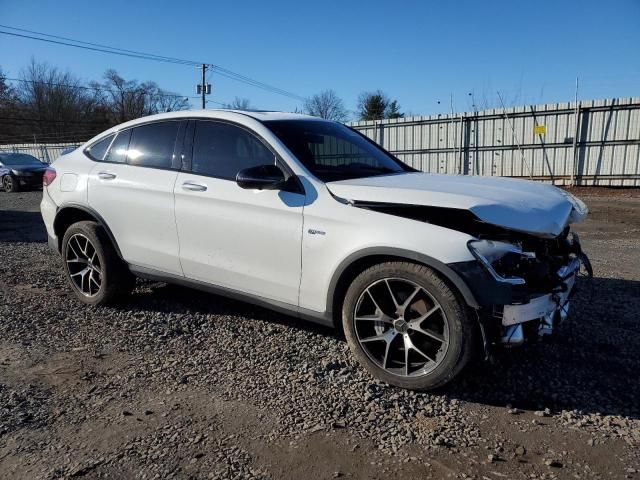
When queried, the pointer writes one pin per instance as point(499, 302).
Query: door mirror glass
point(262, 177)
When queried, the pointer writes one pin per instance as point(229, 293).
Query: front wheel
point(10, 184)
point(94, 271)
point(406, 326)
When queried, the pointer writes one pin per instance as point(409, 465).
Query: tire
point(434, 319)
point(107, 279)
point(10, 184)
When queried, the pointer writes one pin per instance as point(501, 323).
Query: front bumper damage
point(512, 312)
point(548, 310)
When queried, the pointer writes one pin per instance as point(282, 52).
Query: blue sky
point(417, 52)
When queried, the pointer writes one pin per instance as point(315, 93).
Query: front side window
point(222, 150)
point(98, 150)
point(152, 145)
point(118, 151)
point(332, 151)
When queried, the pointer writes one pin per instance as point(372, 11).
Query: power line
point(95, 49)
point(102, 89)
point(147, 56)
point(159, 57)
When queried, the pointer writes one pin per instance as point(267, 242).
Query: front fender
point(402, 254)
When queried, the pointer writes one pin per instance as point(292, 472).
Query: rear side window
point(222, 150)
point(98, 150)
point(152, 145)
point(118, 151)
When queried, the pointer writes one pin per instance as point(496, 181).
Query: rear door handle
point(106, 175)
point(194, 187)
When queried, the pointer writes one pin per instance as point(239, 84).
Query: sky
point(422, 53)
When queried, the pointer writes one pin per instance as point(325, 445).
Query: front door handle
point(106, 175)
point(194, 187)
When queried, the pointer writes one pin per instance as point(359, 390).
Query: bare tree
point(238, 104)
point(54, 104)
point(124, 98)
point(9, 128)
point(170, 102)
point(128, 99)
point(327, 105)
point(7, 93)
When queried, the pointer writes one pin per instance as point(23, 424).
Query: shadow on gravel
point(166, 298)
point(592, 365)
point(21, 226)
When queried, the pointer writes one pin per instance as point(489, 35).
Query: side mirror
point(262, 177)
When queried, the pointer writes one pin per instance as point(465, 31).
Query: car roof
point(241, 116)
point(265, 115)
point(219, 114)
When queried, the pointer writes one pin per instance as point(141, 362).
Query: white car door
point(246, 240)
point(132, 189)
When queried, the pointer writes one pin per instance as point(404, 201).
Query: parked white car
point(311, 218)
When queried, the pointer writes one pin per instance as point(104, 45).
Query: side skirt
point(321, 318)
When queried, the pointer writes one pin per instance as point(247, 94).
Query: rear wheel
point(10, 184)
point(95, 272)
point(406, 326)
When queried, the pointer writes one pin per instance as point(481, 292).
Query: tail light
point(49, 176)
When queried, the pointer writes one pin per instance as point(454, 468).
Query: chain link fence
point(45, 152)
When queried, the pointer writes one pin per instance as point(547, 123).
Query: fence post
point(544, 150)
point(574, 162)
point(460, 146)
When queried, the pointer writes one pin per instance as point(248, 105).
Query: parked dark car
point(19, 171)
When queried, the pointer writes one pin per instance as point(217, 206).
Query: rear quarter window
point(98, 150)
point(118, 150)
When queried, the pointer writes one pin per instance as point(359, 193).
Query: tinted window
point(98, 149)
point(222, 150)
point(118, 151)
point(152, 145)
point(332, 151)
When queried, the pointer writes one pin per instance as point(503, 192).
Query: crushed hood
point(525, 206)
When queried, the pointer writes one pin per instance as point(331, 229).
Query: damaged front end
point(521, 282)
point(540, 274)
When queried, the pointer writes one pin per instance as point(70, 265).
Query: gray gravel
point(178, 383)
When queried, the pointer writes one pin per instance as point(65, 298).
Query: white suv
point(311, 218)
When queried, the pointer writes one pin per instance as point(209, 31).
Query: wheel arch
point(357, 262)
point(69, 214)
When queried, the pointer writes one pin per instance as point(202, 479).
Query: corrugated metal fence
point(46, 152)
point(594, 143)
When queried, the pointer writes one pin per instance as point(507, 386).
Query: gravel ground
point(180, 384)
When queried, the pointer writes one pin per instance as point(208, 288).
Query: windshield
point(332, 151)
point(19, 159)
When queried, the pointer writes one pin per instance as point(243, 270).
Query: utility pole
point(204, 88)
